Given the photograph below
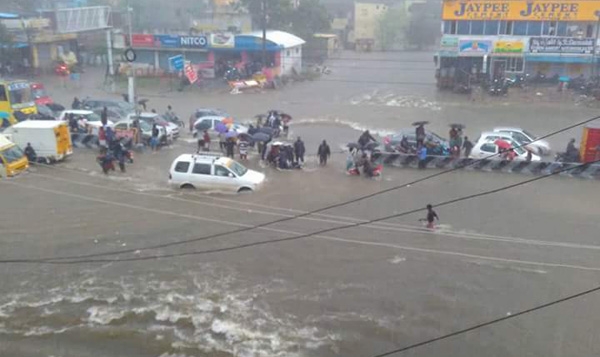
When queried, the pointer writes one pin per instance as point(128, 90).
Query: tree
point(391, 28)
point(6, 44)
point(424, 27)
point(279, 13)
point(309, 18)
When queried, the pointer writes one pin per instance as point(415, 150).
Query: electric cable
point(308, 213)
point(491, 322)
point(80, 260)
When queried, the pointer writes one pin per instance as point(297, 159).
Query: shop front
point(562, 56)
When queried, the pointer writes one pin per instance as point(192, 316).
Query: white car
point(209, 123)
point(522, 136)
point(155, 118)
point(486, 146)
point(212, 172)
point(91, 120)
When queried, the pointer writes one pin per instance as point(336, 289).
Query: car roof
point(495, 133)
point(39, 124)
point(507, 128)
point(143, 115)
point(78, 111)
point(204, 157)
point(213, 117)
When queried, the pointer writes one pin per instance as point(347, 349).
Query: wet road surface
point(353, 292)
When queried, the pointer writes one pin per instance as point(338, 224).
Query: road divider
point(587, 171)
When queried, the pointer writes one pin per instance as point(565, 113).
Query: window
point(3, 94)
point(561, 29)
point(506, 28)
point(201, 169)
point(182, 166)
point(463, 28)
point(491, 27)
point(287, 53)
point(514, 64)
point(450, 27)
point(520, 28)
point(477, 27)
point(488, 147)
point(520, 137)
point(534, 28)
point(221, 171)
point(549, 28)
point(297, 50)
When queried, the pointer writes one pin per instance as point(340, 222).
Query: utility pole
point(594, 58)
point(264, 33)
point(131, 78)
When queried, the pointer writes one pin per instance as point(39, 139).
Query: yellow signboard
point(507, 46)
point(534, 10)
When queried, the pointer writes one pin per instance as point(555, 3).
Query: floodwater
point(354, 292)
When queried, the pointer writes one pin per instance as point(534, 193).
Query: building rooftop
point(280, 38)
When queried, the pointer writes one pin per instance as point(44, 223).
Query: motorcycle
point(61, 69)
point(498, 87)
point(566, 157)
point(232, 74)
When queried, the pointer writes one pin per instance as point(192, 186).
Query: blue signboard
point(168, 41)
point(176, 62)
point(193, 41)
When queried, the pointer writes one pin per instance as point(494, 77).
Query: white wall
point(291, 58)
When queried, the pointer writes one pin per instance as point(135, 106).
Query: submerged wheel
point(245, 190)
point(187, 186)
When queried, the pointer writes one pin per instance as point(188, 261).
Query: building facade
point(509, 37)
point(210, 54)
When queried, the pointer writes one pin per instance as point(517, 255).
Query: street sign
point(176, 62)
point(190, 73)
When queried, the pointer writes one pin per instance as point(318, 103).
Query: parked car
point(205, 171)
point(209, 123)
point(90, 118)
point(391, 142)
point(522, 136)
point(146, 130)
point(91, 104)
point(40, 96)
point(154, 118)
point(486, 146)
point(204, 112)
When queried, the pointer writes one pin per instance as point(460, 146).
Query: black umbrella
point(457, 126)
point(266, 130)
point(371, 145)
point(260, 116)
point(418, 123)
point(261, 137)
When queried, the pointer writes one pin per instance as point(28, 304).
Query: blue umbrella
point(231, 134)
point(220, 128)
point(4, 115)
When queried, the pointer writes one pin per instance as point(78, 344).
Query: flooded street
point(358, 291)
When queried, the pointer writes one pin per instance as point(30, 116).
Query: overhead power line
point(81, 258)
point(489, 323)
point(308, 213)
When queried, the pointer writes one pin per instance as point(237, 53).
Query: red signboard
point(190, 73)
point(139, 40)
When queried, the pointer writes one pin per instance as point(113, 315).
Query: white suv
point(207, 171)
point(486, 147)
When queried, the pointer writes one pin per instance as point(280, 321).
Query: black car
point(93, 104)
point(392, 142)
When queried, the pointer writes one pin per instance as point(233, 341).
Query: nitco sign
point(193, 41)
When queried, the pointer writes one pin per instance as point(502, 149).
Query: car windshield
point(12, 154)
point(20, 94)
point(237, 168)
point(145, 126)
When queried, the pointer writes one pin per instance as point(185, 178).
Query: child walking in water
point(431, 216)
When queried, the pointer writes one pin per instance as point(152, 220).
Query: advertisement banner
point(141, 40)
point(190, 73)
point(564, 10)
point(508, 46)
point(222, 40)
point(561, 45)
point(193, 41)
point(166, 41)
point(176, 62)
point(474, 47)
